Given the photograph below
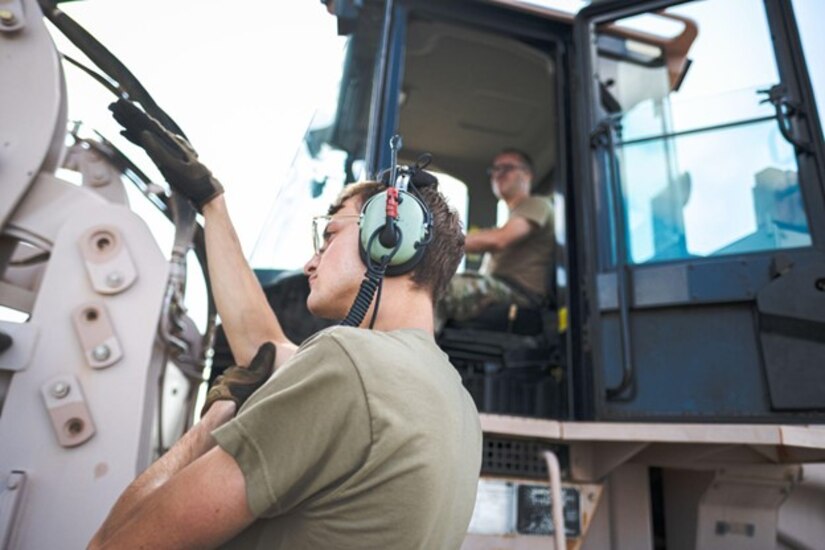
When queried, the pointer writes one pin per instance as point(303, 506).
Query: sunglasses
point(504, 169)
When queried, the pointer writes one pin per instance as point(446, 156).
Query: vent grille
point(520, 457)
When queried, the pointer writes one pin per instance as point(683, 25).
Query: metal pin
point(101, 352)
point(114, 279)
point(7, 17)
point(60, 390)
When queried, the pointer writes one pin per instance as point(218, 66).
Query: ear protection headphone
point(395, 228)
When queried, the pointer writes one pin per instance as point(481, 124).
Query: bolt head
point(114, 279)
point(60, 390)
point(101, 352)
point(7, 17)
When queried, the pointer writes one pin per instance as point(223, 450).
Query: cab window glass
point(330, 156)
point(703, 167)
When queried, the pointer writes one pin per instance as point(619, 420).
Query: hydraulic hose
point(107, 62)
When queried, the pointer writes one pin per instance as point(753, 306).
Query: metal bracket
point(739, 509)
point(24, 338)
point(11, 495)
point(68, 410)
point(108, 263)
point(12, 16)
point(786, 109)
point(97, 336)
point(99, 173)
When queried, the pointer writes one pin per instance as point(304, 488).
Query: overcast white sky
point(241, 78)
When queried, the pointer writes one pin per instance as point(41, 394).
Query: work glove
point(237, 383)
point(172, 154)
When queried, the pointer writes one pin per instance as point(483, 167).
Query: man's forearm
point(497, 239)
point(481, 241)
point(245, 313)
point(193, 444)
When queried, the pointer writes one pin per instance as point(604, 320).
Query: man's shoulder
point(318, 363)
point(338, 342)
point(321, 350)
point(536, 202)
point(365, 348)
point(338, 338)
point(535, 208)
point(359, 341)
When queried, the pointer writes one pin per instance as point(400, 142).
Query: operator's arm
point(245, 313)
point(516, 229)
point(194, 496)
point(247, 318)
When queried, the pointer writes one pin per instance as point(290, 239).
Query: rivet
point(7, 17)
point(60, 390)
point(114, 279)
point(101, 352)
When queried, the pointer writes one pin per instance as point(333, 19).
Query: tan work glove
point(237, 383)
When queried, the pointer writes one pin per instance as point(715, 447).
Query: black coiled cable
point(372, 282)
point(369, 285)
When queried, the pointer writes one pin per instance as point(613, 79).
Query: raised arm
point(247, 318)
point(245, 313)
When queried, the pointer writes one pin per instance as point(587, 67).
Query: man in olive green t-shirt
point(519, 253)
point(344, 448)
point(360, 439)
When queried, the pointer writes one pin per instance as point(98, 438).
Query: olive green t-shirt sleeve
point(303, 433)
point(534, 209)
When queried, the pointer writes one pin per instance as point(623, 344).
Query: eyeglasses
point(504, 169)
point(320, 232)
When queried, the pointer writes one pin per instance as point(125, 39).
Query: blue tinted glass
point(712, 193)
point(662, 89)
point(703, 167)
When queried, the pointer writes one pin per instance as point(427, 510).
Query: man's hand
point(172, 154)
point(237, 383)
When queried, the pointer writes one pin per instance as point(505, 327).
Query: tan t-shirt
point(364, 439)
point(526, 262)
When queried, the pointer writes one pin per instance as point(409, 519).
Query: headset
point(395, 229)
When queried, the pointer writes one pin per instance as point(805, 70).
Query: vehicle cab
point(682, 148)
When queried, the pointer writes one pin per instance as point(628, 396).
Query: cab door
point(702, 212)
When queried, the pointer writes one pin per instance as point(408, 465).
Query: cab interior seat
point(510, 359)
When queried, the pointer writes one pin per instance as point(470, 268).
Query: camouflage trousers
point(470, 293)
